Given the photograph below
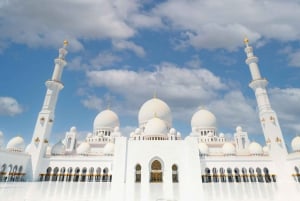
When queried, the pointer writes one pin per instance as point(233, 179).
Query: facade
point(154, 153)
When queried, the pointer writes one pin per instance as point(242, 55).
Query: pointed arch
point(156, 170)
point(174, 173)
point(138, 173)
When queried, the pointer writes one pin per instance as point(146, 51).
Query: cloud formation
point(9, 106)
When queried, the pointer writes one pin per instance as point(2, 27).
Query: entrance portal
point(156, 174)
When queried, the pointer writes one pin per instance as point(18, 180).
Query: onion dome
point(228, 148)
point(58, 149)
point(266, 150)
point(203, 119)
point(157, 107)
point(16, 144)
point(106, 119)
point(296, 144)
point(109, 148)
point(255, 149)
point(203, 148)
point(83, 149)
point(155, 126)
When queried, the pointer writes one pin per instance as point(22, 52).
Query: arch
point(3, 172)
point(69, 175)
point(156, 171)
point(215, 175)
point(105, 177)
point(237, 175)
point(252, 175)
point(98, 174)
point(222, 175)
point(138, 173)
point(245, 175)
point(259, 175)
point(267, 175)
point(76, 174)
point(55, 174)
point(83, 174)
point(91, 174)
point(229, 175)
point(48, 174)
point(62, 174)
point(206, 178)
point(174, 173)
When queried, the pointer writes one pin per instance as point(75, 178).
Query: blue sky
point(120, 52)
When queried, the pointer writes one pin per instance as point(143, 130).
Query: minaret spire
point(268, 117)
point(45, 118)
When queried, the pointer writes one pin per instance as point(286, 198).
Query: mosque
point(155, 152)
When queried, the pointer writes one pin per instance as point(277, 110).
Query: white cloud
point(104, 60)
point(127, 45)
point(294, 58)
point(93, 102)
point(9, 106)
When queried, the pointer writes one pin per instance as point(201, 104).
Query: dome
point(16, 144)
point(155, 126)
point(266, 150)
point(132, 134)
point(137, 131)
point(203, 119)
point(203, 148)
point(255, 149)
point(109, 148)
point(222, 135)
point(58, 149)
point(296, 143)
point(84, 148)
point(155, 107)
point(228, 148)
point(172, 131)
point(106, 119)
point(73, 129)
point(239, 129)
point(89, 135)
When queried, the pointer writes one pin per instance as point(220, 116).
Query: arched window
point(76, 175)
point(98, 174)
point(62, 174)
point(237, 175)
point(206, 178)
point(138, 173)
point(55, 173)
point(3, 172)
point(69, 175)
point(230, 176)
point(297, 175)
point(156, 174)
point(83, 174)
point(91, 174)
point(267, 175)
point(252, 175)
point(222, 175)
point(215, 175)
point(259, 175)
point(245, 176)
point(48, 174)
point(174, 173)
point(105, 176)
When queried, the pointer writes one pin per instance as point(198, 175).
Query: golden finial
point(66, 42)
point(246, 41)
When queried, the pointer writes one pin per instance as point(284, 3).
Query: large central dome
point(155, 108)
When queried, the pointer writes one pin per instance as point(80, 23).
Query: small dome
point(73, 129)
point(132, 134)
point(117, 129)
point(109, 148)
point(228, 148)
point(239, 129)
point(156, 107)
point(178, 134)
point(89, 135)
point(16, 144)
point(172, 131)
point(58, 149)
point(155, 126)
point(255, 149)
point(84, 148)
point(296, 144)
point(203, 119)
point(266, 150)
point(203, 148)
point(106, 119)
point(222, 135)
point(137, 131)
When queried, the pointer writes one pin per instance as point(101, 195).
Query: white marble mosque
point(155, 162)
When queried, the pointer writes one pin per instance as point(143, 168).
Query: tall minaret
point(45, 118)
point(268, 117)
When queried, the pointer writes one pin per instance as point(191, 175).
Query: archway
point(138, 176)
point(156, 174)
point(174, 173)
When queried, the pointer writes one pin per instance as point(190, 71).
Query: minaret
point(45, 118)
point(268, 117)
